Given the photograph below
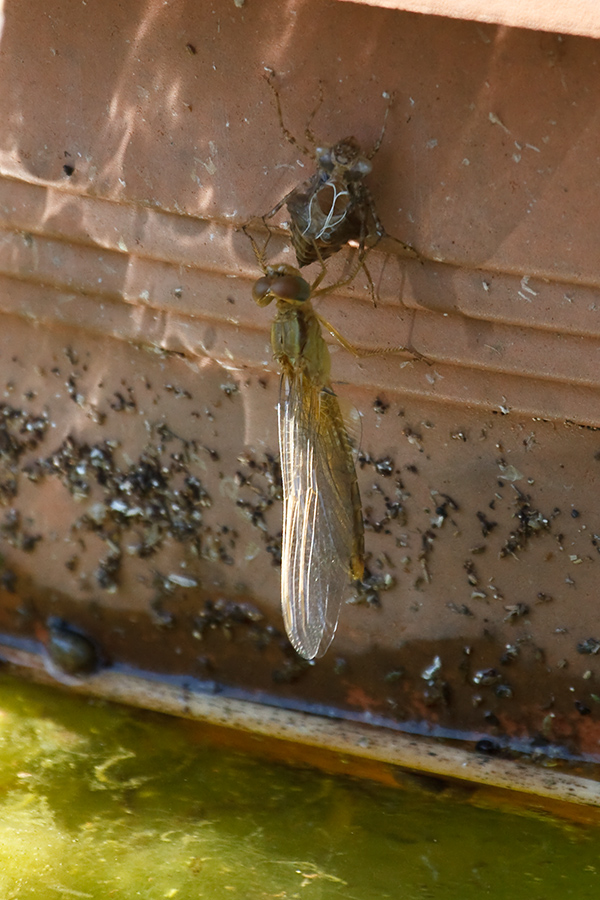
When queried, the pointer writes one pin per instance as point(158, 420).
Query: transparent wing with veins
point(321, 551)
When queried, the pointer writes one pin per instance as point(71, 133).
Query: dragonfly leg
point(379, 141)
point(315, 291)
point(259, 254)
point(380, 231)
point(270, 76)
point(362, 354)
point(308, 130)
point(277, 207)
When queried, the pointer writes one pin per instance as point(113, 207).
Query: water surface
point(97, 801)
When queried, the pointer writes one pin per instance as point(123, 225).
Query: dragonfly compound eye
point(290, 287)
point(261, 292)
point(324, 158)
point(359, 169)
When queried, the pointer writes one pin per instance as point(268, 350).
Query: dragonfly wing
point(322, 518)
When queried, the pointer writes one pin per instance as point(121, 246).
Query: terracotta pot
point(140, 483)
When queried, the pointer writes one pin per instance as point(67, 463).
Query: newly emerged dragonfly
point(323, 539)
point(334, 207)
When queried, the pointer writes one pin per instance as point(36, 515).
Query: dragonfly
point(323, 534)
point(334, 207)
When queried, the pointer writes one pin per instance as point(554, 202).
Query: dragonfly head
point(345, 157)
point(282, 283)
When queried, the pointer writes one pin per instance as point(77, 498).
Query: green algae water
point(102, 802)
